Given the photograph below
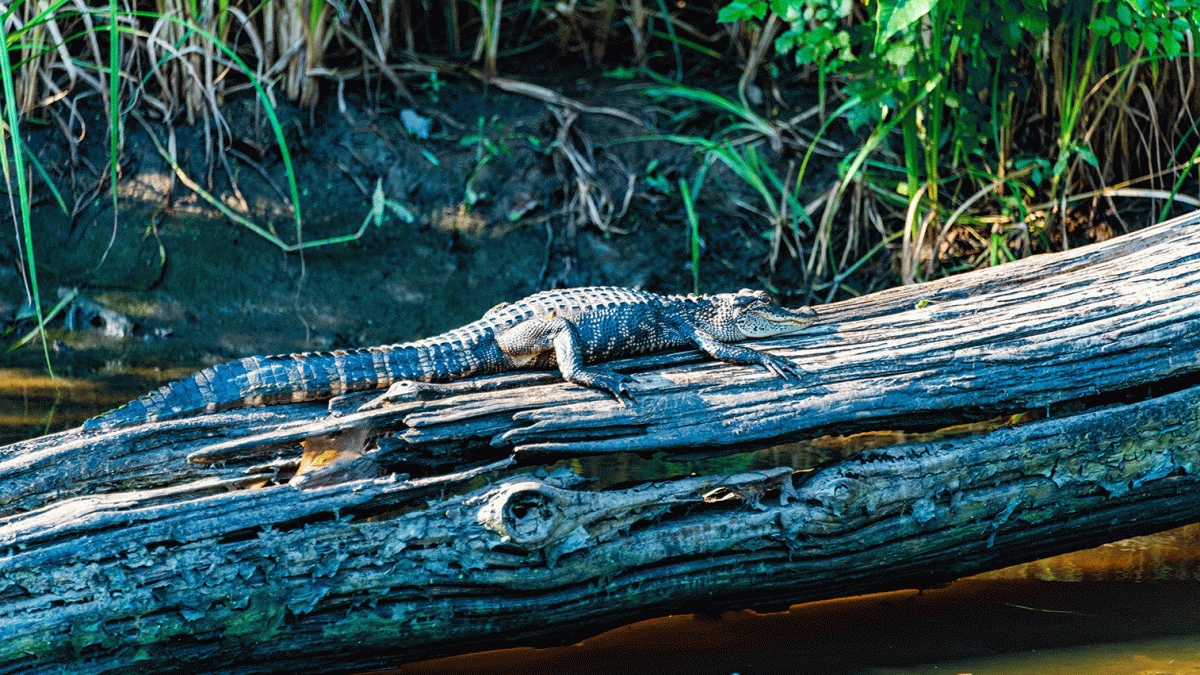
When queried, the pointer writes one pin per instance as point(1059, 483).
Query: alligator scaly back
point(568, 329)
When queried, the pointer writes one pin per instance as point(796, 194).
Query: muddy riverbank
point(490, 206)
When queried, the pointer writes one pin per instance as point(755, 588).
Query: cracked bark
point(114, 548)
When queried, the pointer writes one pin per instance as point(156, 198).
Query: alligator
point(568, 329)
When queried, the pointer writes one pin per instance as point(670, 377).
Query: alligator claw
point(615, 385)
point(782, 367)
point(623, 393)
point(605, 380)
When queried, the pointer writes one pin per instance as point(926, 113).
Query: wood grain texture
point(374, 572)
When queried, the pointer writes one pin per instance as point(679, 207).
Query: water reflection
point(972, 626)
point(1170, 555)
point(1161, 656)
point(34, 404)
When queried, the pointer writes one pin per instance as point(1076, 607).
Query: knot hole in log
point(528, 514)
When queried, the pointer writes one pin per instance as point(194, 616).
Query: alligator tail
point(266, 380)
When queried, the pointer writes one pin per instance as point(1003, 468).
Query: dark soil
point(400, 280)
point(495, 216)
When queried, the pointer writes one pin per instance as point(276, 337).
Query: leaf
point(1060, 165)
point(401, 211)
point(895, 16)
point(742, 11)
point(377, 200)
point(791, 11)
point(788, 41)
point(1087, 155)
point(1170, 45)
point(866, 114)
point(1150, 39)
point(807, 54)
point(1124, 15)
point(900, 55)
point(1132, 39)
point(622, 73)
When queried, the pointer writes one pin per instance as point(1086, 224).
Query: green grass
point(944, 99)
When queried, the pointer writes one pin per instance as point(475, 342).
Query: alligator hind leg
point(570, 362)
point(527, 344)
point(398, 392)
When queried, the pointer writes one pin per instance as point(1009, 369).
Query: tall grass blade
point(18, 174)
point(694, 232)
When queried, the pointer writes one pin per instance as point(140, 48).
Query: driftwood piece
point(114, 549)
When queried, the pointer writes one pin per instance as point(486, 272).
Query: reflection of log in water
point(126, 550)
point(970, 626)
point(1172, 555)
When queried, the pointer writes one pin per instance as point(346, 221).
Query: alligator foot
point(410, 390)
point(782, 367)
point(406, 390)
point(604, 380)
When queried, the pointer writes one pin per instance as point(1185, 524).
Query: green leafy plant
point(1153, 24)
point(994, 63)
point(486, 149)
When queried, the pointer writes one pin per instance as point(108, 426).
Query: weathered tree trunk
point(115, 549)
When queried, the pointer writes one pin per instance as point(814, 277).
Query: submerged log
point(116, 548)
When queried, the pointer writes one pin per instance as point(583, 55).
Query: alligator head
point(755, 315)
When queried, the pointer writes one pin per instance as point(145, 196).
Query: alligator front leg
point(782, 367)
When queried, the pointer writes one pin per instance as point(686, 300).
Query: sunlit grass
point(946, 110)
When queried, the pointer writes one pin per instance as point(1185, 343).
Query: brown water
point(972, 627)
point(32, 404)
point(1127, 608)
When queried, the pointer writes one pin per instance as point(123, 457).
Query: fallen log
point(115, 547)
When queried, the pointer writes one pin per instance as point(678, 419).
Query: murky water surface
point(1127, 608)
point(32, 404)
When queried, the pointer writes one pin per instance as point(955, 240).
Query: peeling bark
point(115, 549)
